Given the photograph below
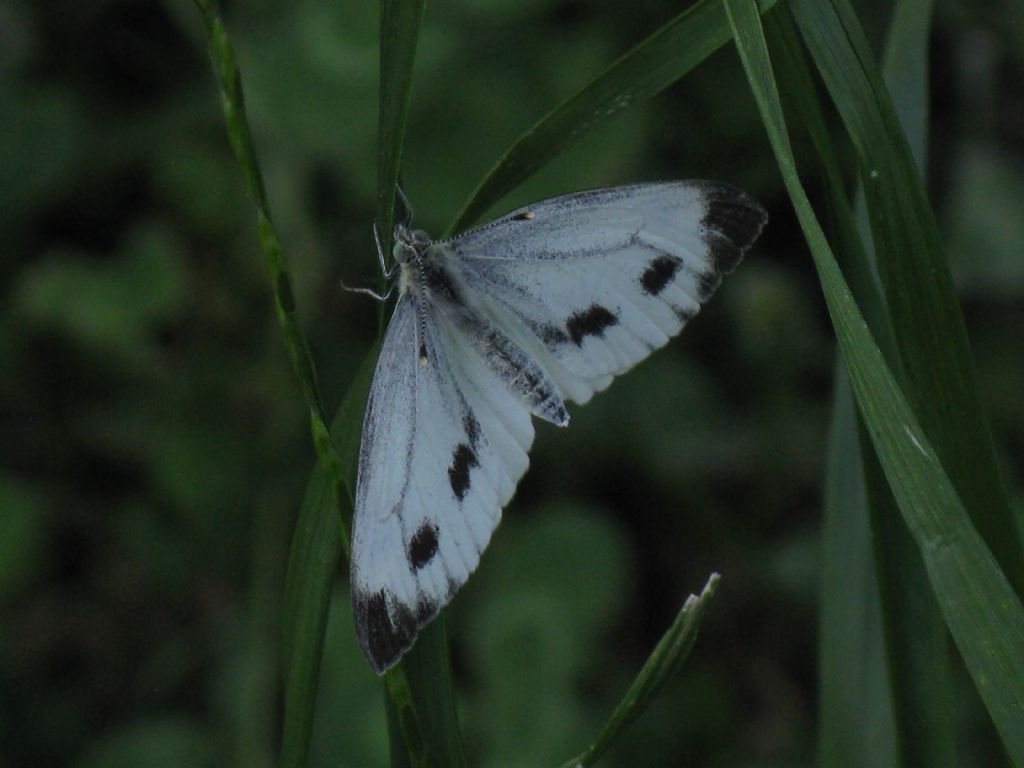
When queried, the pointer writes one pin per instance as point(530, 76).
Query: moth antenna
point(405, 204)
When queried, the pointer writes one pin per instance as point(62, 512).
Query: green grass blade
point(933, 345)
point(905, 71)
point(919, 661)
point(399, 32)
point(661, 666)
point(856, 724)
point(917, 650)
point(230, 80)
point(429, 680)
point(324, 536)
point(980, 607)
point(420, 686)
point(646, 70)
point(915, 658)
point(800, 93)
point(312, 567)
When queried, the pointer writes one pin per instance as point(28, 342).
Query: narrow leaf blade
point(312, 568)
point(932, 340)
point(643, 72)
point(891, 587)
point(419, 686)
point(661, 666)
point(979, 605)
point(399, 33)
point(856, 724)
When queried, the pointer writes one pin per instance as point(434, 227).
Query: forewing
point(591, 283)
point(444, 444)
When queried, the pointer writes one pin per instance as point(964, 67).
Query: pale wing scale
point(600, 279)
point(423, 520)
point(503, 418)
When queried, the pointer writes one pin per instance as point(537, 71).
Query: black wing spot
point(472, 427)
point(707, 284)
point(458, 473)
point(659, 273)
point(684, 315)
point(725, 255)
point(551, 335)
point(592, 321)
point(426, 609)
point(384, 637)
point(732, 222)
point(422, 546)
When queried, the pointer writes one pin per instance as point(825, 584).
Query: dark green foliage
point(156, 441)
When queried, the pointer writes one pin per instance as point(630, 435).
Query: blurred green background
point(155, 445)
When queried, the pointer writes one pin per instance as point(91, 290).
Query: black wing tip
point(732, 222)
point(386, 636)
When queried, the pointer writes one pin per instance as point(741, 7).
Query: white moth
point(546, 304)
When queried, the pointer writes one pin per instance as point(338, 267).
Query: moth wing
point(444, 444)
point(593, 282)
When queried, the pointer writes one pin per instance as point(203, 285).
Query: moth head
point(409, 243)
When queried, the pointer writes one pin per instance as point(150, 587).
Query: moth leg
point(385, 270)
point(369, 291)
